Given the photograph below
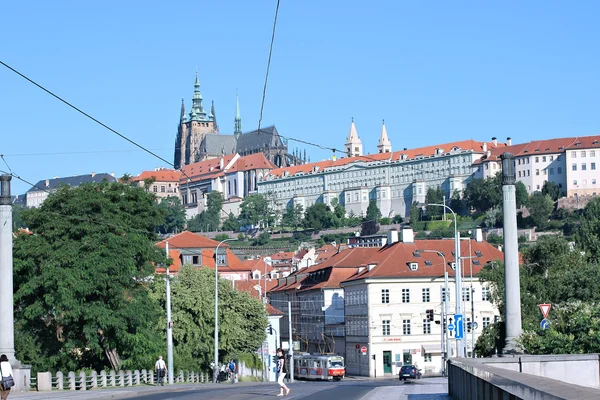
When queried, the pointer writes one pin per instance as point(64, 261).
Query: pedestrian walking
point(161, 371)
point(6, 374)
point(281, 371)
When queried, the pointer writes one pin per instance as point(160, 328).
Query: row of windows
point(386, 326)
point(426, 295)
point(584, 182)
point(583, 153)
point(584, 166)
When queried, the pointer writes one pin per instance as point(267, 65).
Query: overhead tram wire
point(264, 94)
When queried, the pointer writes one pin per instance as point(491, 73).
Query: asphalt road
point(350, 389)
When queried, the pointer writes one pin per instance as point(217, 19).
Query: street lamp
point(216, 367)
point(445, 317)
point(460, 343)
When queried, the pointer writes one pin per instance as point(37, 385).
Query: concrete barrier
point(473, 379)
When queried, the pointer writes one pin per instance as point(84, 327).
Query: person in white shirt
point(6, 372)
point(161, 370)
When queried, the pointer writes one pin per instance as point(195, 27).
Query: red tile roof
point(174, 268)
point(393, 261)
point(258, 264)
point(252, 161)
point(394, 156)
point(287, 255)
point(333, 277)
point(162, 175)
point(541, 147)
point(250, 288)
point(190, 240)
point(234, 264)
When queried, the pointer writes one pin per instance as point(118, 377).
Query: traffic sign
point(450, 326)
point(545, 324)
point(545, 309)
point(458, 318)
point(363, 350)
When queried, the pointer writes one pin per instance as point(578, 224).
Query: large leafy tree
point(174, 215)
point(588, 233)
point(209, 219)
point(80, 293)
point(551, 273)
point(253, 210)
point(485, 194)
point(540, 207)
point(318, 216)
point(435, 196)
point(242, 319)
point(552, 190)
point(373, 212)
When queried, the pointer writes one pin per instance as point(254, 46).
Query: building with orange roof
point(163, 182)
point(386, 302)
point(234, 176)
point(394, 179)
point(379, 297)
point(569, 162)
point(197, 250)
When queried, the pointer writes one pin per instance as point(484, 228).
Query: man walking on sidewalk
point(161, 371)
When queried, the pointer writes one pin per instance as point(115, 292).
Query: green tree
point(414, 213)
point(373, 212)
point(242, 319)
point(485, 194)
point(338, 215)
point(231, 223)
point(317, 217)
point(298, 215)
point(253, 210)
point(540, 208)
point(174, 215)
point(456, 203)
point(434, 196)
point(17, 218)
point(588, 232)
point(552, 190)
point(80, 294)
point(208, 220)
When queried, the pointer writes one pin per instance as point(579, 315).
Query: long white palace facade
point(394, 179)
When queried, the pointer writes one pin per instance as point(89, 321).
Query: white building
point(393, 179)
point(569, 162)
point(233, 175)
point(386, 304)
point(38, 193)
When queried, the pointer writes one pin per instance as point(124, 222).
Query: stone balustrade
point(84, 380)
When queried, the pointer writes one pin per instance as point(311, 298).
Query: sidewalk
point(127, 392)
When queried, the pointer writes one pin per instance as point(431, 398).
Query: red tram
point(319, 367)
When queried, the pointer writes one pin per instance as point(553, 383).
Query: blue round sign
point(450, 327)
point(544, 324)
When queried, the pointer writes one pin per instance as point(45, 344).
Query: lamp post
point(216, 367)
point(444, 319)
point(169, 322)
point(460, 343)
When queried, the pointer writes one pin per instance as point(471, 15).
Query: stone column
point(512, 288)
point(7, 338)
point(21, 373)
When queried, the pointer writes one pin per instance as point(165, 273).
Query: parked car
point(409, 371)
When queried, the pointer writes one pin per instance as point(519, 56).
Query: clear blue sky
point(436, 71)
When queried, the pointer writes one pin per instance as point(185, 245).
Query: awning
point(431, 348)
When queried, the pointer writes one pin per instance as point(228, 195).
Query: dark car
point(409, 371)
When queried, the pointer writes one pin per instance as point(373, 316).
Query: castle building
point(198, 138)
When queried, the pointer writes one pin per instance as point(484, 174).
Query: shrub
point(241, 237)
point(438, 225)
point(221, 236)
point(385, 221)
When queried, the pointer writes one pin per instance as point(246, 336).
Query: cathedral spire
point(353, 142)
point(384, 145)
point(182, 117)
point(197, 108)
point(237, 130)
point(214, 116)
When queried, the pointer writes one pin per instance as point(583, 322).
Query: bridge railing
point(86, 380)
point(472, 379)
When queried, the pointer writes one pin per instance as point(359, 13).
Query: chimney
point(495, 141)
point(93, 174)
point(508, 141)
point(392, 236)
point(478, 235)
point(112, 174)
point(484, 147)
point(221, 163)
point(407, 234)
point(47, 183)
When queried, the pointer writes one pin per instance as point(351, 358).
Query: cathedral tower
point(384, 145)
point(353, 144)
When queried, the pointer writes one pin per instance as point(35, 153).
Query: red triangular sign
point(545, 308)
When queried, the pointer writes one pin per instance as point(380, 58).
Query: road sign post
point(545, 324)
point(363, 350)
point(545, 309)
point(458, 318)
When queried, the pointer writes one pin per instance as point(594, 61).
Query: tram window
point(337, 364)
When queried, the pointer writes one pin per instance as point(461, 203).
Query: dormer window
point(478, 253)
point(439, 151)
point(428, 263)
point(413, 266)
point(595, 142)
point(578, 144)
point(403, 157)
point(476, 262)
point(455, 148)
point(453, 266)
